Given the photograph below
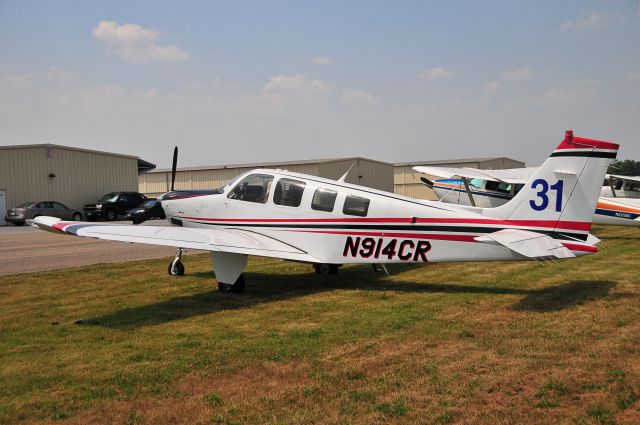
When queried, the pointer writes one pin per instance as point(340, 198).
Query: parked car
point(113, 205)
point(31, 210)
point(151, 205)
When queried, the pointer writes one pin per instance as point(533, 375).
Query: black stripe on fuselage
point(591, 154)
point(390, 228)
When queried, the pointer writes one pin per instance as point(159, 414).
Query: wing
point(514, 176)
point(235, 241)
point(529, 244)
point(630, 178)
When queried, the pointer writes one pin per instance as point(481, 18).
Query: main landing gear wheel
point(326, 268)
point(236, 288)
point(176, 268)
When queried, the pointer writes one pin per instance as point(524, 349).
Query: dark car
point(112, 205)
point(150, 205)
point(31, 210)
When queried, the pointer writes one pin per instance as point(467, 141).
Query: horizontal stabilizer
point(526, 243)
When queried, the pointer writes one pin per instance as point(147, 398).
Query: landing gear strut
point(176, 268)
point(324, 268)
point(236, 288)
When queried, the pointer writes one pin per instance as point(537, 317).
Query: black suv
point(112, 205)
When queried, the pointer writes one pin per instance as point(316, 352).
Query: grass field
point(448, 343)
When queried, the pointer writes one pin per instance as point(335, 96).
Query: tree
point(626, 167)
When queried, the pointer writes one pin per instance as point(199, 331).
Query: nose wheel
point(176, 268)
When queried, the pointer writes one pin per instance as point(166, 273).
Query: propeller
point(173, 167)
point(426, 182)
point(157, 208)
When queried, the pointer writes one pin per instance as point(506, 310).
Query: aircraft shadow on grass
point(273, 288)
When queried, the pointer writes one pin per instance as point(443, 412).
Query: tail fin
point(563, 192)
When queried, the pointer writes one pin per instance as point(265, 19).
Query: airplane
point(619, 202)
point(327, 223)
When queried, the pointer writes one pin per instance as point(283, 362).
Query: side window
point(617, 185)
point(288, 192)
point(59, 206)
point(324, 200)
point(355, 205)
point(476, 183)
point(124, 198)
point(47, 205)
point(39, 205)
point(498, 186)
point(253, 188)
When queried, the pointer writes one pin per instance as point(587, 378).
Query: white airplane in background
point(297, 217)
point(619, 202)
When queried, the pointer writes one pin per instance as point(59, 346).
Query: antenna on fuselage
point(344, 176)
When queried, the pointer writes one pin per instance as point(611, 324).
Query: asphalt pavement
point(27, 249)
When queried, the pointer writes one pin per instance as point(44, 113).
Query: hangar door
point(3, 206)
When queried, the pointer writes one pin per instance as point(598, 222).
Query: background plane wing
point(235, 241)
point(630, 178)
point(514, 175)
point(529, 244)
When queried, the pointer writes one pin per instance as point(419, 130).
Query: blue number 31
point(542, 194)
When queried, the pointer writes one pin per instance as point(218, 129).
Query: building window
point(324, 200)
point(253, 188)
point(288, 192)
point(355, 205)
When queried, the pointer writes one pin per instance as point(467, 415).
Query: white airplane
point(619, 202)
point(297, 217)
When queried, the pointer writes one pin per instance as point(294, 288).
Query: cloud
point(321, 61)
point(296, 84)
point(518, 74)
point(491, 87)
point(633, 76)
point(594, 22)
point(359, 97)
point(136, 44)
point(436, 74)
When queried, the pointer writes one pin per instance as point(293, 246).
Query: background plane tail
point(564, 191)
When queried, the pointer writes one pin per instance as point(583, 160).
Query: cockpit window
point(324, 199)
point(355, 205)
point(253, 188)
point(288, 192)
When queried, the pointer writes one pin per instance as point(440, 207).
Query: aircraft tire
point(179, 270)
point(324, 268)
point(236, 288)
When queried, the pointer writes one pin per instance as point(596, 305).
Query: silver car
point(30, 210)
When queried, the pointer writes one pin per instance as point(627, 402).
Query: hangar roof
point(270, 164)
point(142, 164)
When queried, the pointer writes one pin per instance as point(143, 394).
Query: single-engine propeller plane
point(297, 217)
point(618, 205)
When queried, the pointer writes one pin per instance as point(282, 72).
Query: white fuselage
point(393, 229)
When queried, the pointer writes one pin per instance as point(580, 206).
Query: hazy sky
point(241, 81)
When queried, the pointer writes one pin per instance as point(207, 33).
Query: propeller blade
point(173, 167)
point(426, 182)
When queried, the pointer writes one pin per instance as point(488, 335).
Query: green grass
point(511, 342)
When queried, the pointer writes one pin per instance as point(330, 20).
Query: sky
point(260, 81)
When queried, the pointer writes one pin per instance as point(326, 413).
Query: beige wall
point(374, 174)
point(81, 176)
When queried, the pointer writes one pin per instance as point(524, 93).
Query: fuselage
point(619, 210)
point(346, 223)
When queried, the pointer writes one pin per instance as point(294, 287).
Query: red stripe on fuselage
point(551, 224)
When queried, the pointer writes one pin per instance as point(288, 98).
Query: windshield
point(25, 205)
point(109, 197)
